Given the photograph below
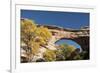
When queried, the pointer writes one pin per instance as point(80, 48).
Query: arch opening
point(69, 42)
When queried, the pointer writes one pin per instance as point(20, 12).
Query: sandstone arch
point(80, 36)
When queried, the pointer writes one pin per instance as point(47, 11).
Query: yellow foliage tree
point(27, 30)
point(34, 36)
point(43, 33)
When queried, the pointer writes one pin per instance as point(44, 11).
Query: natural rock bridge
point(80, 36)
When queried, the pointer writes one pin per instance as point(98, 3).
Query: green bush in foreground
point(49, 55)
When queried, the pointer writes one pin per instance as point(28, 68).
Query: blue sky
point(69, 42)
point(73, 20)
